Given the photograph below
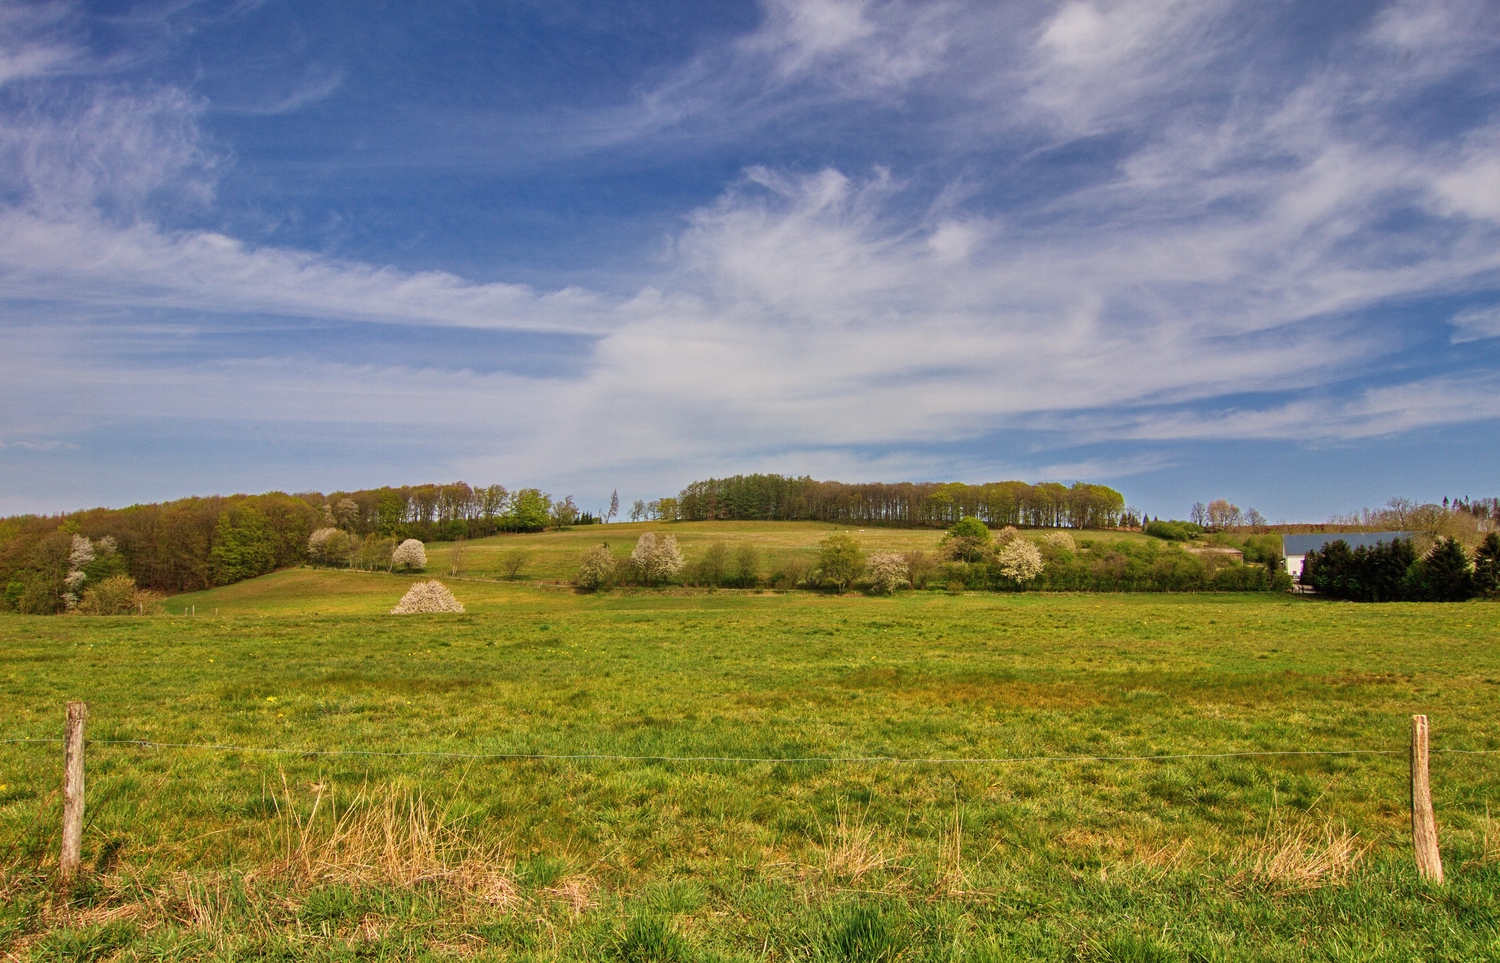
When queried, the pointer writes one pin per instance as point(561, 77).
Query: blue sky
point(1191, 249)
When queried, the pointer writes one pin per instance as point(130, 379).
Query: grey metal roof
point(1302, 544)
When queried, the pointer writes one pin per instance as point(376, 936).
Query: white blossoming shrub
point(655, 559)
point(424, 597)
point(888, 572)
point(595, 567)
point(317, 543)
point(1060, 540)
point(1020, 561)
point(409, 555)
point(329, 546)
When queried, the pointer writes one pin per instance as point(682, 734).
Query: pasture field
point(553, 555)
point(196, 853)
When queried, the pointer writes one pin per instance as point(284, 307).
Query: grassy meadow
point(553, 556)
point(234, 854)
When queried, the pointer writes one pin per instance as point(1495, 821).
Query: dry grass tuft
point(391, 839)
point(951, 879)
point(1166, 858)
point(200, 902)
point(1489, 842)
point(852, 851)
point(577, 892)
point(1300, 855)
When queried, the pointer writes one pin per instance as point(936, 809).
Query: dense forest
point(935, 504)
point(194, 543)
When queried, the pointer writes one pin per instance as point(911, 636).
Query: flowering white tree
point(641, 554)
point(656, 558)
point(317, 543)
point(80, 554)
point(427, 597)
point(1060, 540)
point(409, 555)
point(1020, 561)
point(595, 567)
point(888, 572)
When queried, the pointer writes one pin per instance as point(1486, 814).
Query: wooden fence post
point(72, 829)
point(1423, 823)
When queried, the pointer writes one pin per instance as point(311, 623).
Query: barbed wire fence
point(1424, 827)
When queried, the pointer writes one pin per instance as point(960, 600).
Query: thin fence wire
point(745, 760)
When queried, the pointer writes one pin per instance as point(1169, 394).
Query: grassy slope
point(1129, 860)
point(554, 555)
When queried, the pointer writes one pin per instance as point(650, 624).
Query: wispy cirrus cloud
point(1474, 324)
point(33, 41)
point(1235, 233)
point(1380, 412)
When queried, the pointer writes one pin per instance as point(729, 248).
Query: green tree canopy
point(970, 527)
point(530, 510)
point(244, 546)
point(840, 561)
point(1443, 576)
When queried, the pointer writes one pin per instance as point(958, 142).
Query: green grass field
point(553, 556)
point(228, 854)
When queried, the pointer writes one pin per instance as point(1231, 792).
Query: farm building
point(1294, 548)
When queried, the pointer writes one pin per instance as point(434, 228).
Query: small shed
point(1294, 548)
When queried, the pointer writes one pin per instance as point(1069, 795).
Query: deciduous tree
point(410, 555)
point(656, 558)
point(1019, 562)
point(596, 567)
point(840, 561)
point(888, 572)
point(747, 565)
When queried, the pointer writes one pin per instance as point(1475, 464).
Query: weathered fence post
point(72, 829)
point(1423, 823)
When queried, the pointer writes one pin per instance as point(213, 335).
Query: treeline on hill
point(195, 543)
point(1395, 572)
point(915, 504)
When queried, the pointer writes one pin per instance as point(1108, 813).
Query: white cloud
point(1471, 188)
point(1372, 413)
point(110, 154)
point(29, 43)
point(52, 445)
point(1474, 324)
point(822, 313)
point(88, 262)
point(861, 46)
point(319, 85)
point(1435, 36)
point(1096, 63)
